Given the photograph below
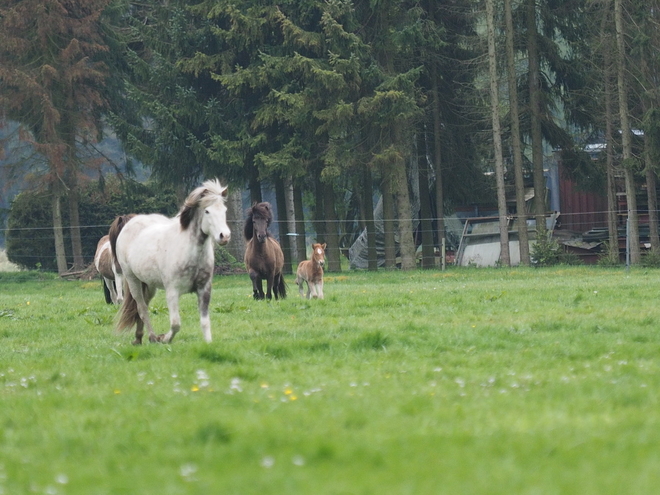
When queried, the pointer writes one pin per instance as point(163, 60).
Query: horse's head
point(318, 254)
point(259, 218)
point(207, 205)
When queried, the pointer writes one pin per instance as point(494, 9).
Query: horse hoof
point(153, 338)
point(137, 342)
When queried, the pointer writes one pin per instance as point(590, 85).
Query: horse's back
point(141, 244)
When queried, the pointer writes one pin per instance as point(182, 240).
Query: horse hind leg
point(270, 283)
point(143, 295)
point(301, 286)
point(139, 332)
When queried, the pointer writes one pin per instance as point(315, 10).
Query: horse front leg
point(311, 292)
point(203, 301)
point(257, 287)
point(172, 296)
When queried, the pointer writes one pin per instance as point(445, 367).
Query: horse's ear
point(225, 192)
point(323, 246)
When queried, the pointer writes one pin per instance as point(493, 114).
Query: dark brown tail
point(280, 287)
point(115, 228)
point(106, 292)
point(128, 315)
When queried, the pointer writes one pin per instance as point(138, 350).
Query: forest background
point(330, 103)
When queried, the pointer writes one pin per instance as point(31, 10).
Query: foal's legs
point(311, 292)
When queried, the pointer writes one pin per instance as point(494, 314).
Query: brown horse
point(263, 255)
point(311, 271)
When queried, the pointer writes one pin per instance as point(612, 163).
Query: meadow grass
point(469, 381)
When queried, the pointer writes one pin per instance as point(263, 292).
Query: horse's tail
point(280, 287)
point(128, 312)
point(115, 228)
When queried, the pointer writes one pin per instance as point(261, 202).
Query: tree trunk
point(535, 118)
point(301, 234)
point(505, 258)
point(437, 155)
point(404, 210)
point(291, 222)
point(331, 229)
point(652, 197)
point(426, 214)
point(254, 184)
point(319, 209)
point(74, 224)
point(58, 233)
point(521, 207)
point(651, 178)
point(367, 210)
point(389, 224)
point(282, 224)
point(612, 214)
point(235, 220)
point(628, 160)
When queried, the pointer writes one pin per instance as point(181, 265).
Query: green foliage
point(546, 251)
point(30, 237)
point(650, 260)
point(607, 257)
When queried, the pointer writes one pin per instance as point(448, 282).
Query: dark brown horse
point(264, 259)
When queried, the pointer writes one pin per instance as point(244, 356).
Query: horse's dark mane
point(190, 207)
point(197, 199)
point(259, 210)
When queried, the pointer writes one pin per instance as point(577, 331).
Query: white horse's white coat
point(174, 254)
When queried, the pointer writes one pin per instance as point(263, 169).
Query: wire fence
point(571, 225)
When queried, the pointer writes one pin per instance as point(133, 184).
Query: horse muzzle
point(223, 238)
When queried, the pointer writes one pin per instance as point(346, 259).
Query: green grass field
point(469, 381)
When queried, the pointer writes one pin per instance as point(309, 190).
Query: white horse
point(107, 268)
point(175, 254)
